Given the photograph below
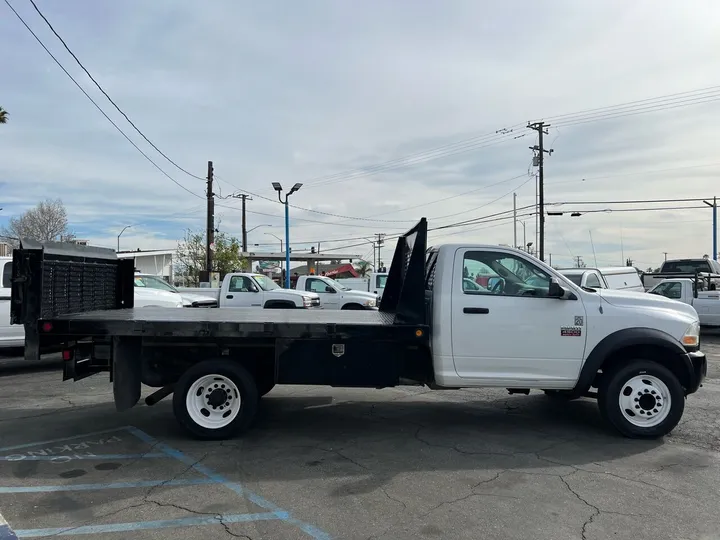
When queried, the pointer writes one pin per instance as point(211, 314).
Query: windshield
point(575, 278)
point(336, 284)
point(266, 284)
point(152, 282)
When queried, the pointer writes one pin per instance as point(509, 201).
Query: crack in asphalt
point(596, 510)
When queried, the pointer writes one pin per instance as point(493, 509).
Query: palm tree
point(363, 268)
point(3, 116)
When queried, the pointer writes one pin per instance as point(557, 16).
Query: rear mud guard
point(126, 371)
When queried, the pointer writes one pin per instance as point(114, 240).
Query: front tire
point(642, 400)
point(215, 400)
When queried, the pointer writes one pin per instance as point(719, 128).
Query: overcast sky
point(298, 91)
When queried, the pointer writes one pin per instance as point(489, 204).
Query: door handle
point(476, 310)
point(229, 296)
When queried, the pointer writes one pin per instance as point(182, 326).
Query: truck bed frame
point(80, 299)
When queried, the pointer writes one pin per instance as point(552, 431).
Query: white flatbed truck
point(532, 329)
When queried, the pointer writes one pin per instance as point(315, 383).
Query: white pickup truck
point(692, 292)
point(681, 268)
point(335, 295)
point(247, 289)
point(374, 283)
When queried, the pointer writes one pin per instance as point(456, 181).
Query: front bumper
point(699, 365)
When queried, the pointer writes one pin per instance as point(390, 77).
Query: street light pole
point(714, 231)
point(119, 235)
point(277, 187)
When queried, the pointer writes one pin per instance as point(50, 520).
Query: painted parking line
point(73, 457)
point(113, 485)
point(6, 533)
point(144, 525)
point(307, 528)
point(49, 452)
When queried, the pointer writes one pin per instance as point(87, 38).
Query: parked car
point(703, 296)
point(334, 295)
point(620, 278)
point(248, 289)
point(681, 268)
point(148, 282)
point(372, 283)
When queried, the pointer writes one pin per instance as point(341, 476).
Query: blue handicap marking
point(83, 451)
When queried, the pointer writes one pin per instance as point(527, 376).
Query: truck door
point(329, 297)
point(510, 331)
point(10, 336)
point(241, 292)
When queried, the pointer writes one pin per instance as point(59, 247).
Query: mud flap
point(126, 371)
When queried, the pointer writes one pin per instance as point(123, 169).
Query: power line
point(564, 117)
point(67, 48)
point(636, 173)
point(634, 201)
point(96, 105)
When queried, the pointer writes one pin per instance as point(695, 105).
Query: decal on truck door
point(579, 320)
point(570, 331)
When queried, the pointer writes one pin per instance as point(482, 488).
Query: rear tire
point(641, 400)
point(215, 400)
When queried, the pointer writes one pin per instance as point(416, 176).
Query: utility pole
point(540, 127)
point(578, 261)
point(515, 220)
point(379, 242)
point(714, 231)
point(210, 226)
point(244, 197)
point(665, 254)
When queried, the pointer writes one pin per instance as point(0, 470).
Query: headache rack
point(404, 293)
point(52, 279)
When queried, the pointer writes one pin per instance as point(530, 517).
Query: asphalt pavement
point(405, 463)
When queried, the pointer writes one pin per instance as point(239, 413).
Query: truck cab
point(705, 299)
point(241, 289)
point(335, 295)
point(583, 277)
point(10, 335)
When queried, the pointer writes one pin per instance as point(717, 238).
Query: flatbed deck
point(229, 322)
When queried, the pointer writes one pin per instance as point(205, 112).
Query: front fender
point(632, 337)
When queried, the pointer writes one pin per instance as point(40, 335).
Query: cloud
point(298, 92)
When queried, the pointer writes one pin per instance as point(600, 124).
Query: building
point(5, 249)
point(157, 262)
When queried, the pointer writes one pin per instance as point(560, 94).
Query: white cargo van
point(622, 278)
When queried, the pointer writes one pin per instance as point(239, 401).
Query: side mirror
point(555, 290)
point(253, 288)
point(329, 289)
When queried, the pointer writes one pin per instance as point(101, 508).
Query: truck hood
point(294, 293)
point(360, 294)
point(632, 299)
point(190, 299)
point(145, 296)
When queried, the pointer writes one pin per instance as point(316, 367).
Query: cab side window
point(669, 290)
point(7, 275)
point(315, 285)
point(240, 284)
point(502, 274)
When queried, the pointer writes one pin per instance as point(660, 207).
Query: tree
point(3, 116)
point(191, 256)
point(45, 222)
point(363, 268)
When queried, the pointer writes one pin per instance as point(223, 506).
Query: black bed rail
point(52, 279)
point(404, 292)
